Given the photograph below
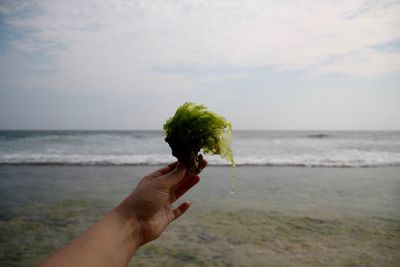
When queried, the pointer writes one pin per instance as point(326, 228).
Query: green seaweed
point(193, 129)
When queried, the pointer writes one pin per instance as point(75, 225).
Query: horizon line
point(160, 129)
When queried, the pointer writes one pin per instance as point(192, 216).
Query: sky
point(273, 65)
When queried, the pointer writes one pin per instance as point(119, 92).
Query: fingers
point(163, 170)
point(183, 187)
point(172, 178)
point(180, 210)
point(166, 169)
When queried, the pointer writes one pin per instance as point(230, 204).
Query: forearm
point(110, 242)
point(139, 219)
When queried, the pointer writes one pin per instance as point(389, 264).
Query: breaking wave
point(159, 159)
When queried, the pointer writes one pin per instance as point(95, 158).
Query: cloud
point(364, 63)
point(120, 44)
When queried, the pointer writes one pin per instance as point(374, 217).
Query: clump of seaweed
point(193, 129)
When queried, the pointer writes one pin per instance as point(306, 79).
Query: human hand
point(140, 218)
point(149, 204)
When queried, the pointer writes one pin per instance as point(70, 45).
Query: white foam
point(306, 160)
point(342, 149)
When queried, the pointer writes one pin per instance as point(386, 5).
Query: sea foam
point(263, 148)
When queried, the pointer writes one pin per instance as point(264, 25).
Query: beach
point(277, 216)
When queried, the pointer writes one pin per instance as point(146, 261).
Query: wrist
point(130, 226)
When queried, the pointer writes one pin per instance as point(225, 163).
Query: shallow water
point(277, 216)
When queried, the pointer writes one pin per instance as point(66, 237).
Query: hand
point(140, 218)
point(150, 203)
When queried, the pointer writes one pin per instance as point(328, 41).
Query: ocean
point(264, 148)
point(302, 198)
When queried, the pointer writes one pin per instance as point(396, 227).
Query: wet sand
point(278, 216)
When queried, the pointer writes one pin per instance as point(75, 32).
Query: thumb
point(174, 177)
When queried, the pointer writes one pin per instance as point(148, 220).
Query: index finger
point(163, 170)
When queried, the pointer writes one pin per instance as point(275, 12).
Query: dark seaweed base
point(188, 154)
point(195, 166)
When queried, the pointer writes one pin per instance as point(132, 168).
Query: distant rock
point(317, 135)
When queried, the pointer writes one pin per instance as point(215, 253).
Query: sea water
point(269, 148)
point(55, 184)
